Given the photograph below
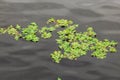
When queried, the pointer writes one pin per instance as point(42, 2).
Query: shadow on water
point(27, 52)
point(109, 78)
point(105, 25)
point(102, 76)
point(110, 7)
point(6, 44)
point(70, 63)
point(71, 77)
point(8, 61)
point(33, 73)
point(85, 12)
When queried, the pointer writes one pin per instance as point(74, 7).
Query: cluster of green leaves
point(11, 31)
point(59, 23)
point(46, 32)
point(29, 33)
point(72, 44)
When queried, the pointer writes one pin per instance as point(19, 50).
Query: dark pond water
point(20, 60)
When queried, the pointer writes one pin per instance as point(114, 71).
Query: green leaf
point(59, 78)
point(16, 37)
point(2, 30)
point(51, 29)
point(112, 49)
point(51, 20)
point(18, 27)
point(57, 56)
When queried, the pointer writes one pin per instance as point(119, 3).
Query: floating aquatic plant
point(75, 44)
point(71, 44)
point(29, 33)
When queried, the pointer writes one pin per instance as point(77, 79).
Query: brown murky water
point(21, 60)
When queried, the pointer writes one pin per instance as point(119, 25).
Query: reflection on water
point(114, 32)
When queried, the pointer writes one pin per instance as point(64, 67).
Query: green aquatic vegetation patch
point(11, 31)
point(71, 43)
point(30, 32)
point(75, 44)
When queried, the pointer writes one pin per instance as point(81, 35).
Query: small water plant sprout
point(71, 43)
point(59, 78)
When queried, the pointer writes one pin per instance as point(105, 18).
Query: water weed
point(71, 44)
